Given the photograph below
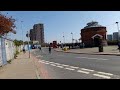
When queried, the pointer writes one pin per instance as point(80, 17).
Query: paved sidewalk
point(41, 68)
point(108, 50)
point(20, 68)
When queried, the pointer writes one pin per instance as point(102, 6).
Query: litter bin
point(100, 48)
point(65, 49)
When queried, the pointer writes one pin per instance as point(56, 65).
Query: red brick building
point(93, 33)
point(54, 44)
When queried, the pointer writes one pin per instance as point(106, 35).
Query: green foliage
point(9, 61)
point(114, 42)
point(26, 42)
point(16, 53)
point(18, 42)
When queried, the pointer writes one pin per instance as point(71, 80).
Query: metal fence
point(3, 51)
point(7, 50)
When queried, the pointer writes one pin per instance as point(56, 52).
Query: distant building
point(37, 33)
point(109, 37)
point(54, 44)
point(115, 35)
point(93, 33)
point(32, 36)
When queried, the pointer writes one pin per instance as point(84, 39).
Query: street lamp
point(72, 39)
point(28, 35)
point(22, 33)
point(63, 38)
point(118, 31)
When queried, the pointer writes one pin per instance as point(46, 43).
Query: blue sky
point(57, 22)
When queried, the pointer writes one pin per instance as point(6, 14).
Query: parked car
point(33, 46)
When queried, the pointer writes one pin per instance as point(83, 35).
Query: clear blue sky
point(57, 22)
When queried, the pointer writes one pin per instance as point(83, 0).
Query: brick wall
point(86, 34)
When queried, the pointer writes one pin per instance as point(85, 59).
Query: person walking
point(49, 49)
point(39, 47)
point(24, 50)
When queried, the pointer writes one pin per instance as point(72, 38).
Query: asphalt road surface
point(62, 65)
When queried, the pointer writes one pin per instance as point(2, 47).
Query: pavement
point(107, 50)
point(21, 68)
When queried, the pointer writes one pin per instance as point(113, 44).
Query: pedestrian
point(49, 49)
point(24, 50)
point(83, 45)
point(119, 46)
point(39, 47)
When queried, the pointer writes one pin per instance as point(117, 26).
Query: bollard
point(100, 48)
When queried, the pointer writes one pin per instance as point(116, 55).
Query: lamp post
point(72, 39)
point(63, 38)
point(118, 31)
point(60, 44)
point(28, 43)
point(22, 33)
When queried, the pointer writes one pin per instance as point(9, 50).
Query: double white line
point(103, 75)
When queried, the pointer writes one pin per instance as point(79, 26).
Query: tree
point(18, 42)
point(7, 24)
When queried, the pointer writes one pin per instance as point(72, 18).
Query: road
point(79, 66)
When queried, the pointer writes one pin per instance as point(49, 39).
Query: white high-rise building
point(109, 37)
point(115, 35)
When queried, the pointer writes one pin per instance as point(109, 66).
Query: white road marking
point(105, 73)
point(104, 59)
point(103, 76)
point(93, 58)
point(97, 58)
point(81, 57)
point(47, 63)
point(70, 68)
point(57, 63)
point(42, 60)
point(39, 61)
point(64, 65)
point(87, 69)
point(83, 71)
point(74, 67)
point(53, 64)
point(60, 66)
